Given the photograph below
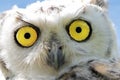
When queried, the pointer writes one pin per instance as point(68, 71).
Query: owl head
point(49, 36)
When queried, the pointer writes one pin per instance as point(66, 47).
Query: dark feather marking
point(109, 49)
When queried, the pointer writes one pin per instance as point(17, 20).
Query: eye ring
point(26, 36)
point(79, 30)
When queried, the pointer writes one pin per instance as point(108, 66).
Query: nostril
point(60, 48)
point(49, 50)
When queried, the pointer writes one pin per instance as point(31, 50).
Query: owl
point(59, 40)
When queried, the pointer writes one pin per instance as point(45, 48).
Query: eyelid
point(71, 36)
point(29, 25)
point(25, 23)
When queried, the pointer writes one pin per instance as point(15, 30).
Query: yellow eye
point(79, 30)
point(26, 36)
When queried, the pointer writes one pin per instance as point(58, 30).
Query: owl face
point(47, 38)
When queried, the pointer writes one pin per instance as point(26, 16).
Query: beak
point(56, 58)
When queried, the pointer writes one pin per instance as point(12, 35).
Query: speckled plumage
point(56, 53)
point(93, 70)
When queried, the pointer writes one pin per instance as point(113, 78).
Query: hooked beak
point(56, 58)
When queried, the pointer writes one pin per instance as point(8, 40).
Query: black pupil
point(78, 29)
point(27, 35)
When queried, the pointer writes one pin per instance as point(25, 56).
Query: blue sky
point(114, 10)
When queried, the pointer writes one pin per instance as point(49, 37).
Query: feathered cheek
point(49, 54)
